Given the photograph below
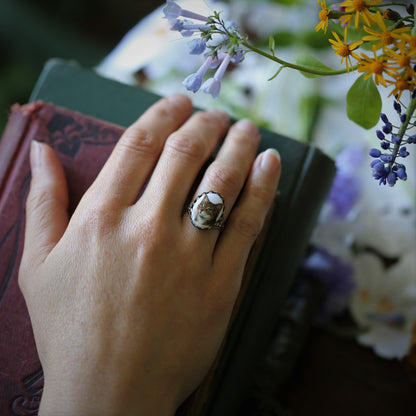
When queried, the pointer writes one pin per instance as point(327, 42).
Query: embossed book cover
point(73, 125)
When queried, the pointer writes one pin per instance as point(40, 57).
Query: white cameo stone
point(207, 211)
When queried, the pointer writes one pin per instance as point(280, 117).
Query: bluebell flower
point(213, 85)
point(194, 81)
point(172, 10)
point(220, 37)
point(197, 46)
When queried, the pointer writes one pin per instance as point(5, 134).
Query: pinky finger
point(247, 217)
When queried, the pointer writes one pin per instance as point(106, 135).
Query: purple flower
point(213, 85)
point(336, 277)
point(197, 46)
point(346, 187)
point(172, 10)
point(193, 82)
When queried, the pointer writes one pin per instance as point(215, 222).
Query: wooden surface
point(338, 377)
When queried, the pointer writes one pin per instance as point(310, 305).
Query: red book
point(82, 144)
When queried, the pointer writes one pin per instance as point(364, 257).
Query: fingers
point(247, 217)
point(138, 150)
point(182, 158)
point(46, 206)
point(229, 171)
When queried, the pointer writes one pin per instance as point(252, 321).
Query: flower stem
point(409, 113)
point(294, 66)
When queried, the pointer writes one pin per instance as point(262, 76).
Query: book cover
point(83, 124)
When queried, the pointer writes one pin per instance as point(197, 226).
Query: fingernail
point(268, 162)
point(35, 156)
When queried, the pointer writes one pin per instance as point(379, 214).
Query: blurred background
point(32, 32)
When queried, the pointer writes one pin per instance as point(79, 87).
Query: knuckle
point(248, 226)
point(222, 176)
point(97, 219)
point(188, 146)
point(139, 140)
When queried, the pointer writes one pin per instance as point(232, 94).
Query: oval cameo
point(207, 211)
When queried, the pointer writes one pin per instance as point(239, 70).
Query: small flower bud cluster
point(217, 40)
point(386, 167)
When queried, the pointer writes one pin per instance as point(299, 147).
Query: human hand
point(129, 302)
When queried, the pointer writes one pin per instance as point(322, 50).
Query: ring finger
point(225, 176)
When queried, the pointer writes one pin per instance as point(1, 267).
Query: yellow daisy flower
point(404, 59)
point(358, 8)
point(323, 16)
point(410, 40)
point(344, 49)
point(386, 37)
point(377, 66)
point(401, 84)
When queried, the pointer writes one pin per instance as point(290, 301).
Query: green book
point(305, 181)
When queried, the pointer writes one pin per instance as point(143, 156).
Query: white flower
point(384, 303)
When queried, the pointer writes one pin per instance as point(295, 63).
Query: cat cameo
point(207, 211)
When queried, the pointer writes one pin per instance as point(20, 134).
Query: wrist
point(104, 396)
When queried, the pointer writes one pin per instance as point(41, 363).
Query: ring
point(207, 211)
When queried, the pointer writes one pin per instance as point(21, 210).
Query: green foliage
point(364, 103)
point(313, 64)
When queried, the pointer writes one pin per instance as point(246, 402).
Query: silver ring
point(207, 211)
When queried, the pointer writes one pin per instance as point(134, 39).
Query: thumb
point(47, 202)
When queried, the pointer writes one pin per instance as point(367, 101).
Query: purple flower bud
point(395, 139)
point(411, 139)
point(403, 152)
point(385, 157)
point(384, 118)
point(397, 107)
point(172, 10)
point(197, 46)
point(380, 135)
point(212, 86)
point(401, 173)
point(378, 166)
point(403, 118)
point(375, 153)
point(387, 128)
point(193, 82)
point(391, 178)
point(238, 57)
point(385, 145)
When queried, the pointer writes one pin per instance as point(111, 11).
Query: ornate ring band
point(207, 211)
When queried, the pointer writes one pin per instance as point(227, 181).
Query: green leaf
point(313, 64)
point(364, 103)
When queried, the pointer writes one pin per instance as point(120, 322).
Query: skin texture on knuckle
point(139, 140)
point(187, 146)
point(221, 176)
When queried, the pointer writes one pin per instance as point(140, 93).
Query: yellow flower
point(323, 16)
point(358, 8)
point(401, 83)
point(386, 37)
point(404, 57)
point(344, 49)
point(377, 66)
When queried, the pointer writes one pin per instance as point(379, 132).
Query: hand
point(129, 301)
